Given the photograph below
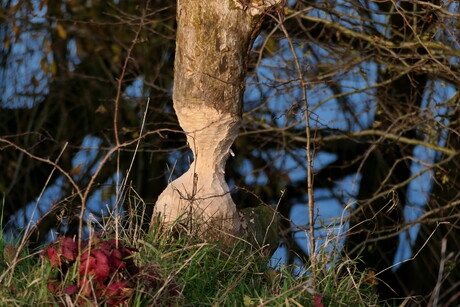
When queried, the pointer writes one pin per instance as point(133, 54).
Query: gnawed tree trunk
point(213, 41)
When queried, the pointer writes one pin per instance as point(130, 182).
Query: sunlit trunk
point(213, 41)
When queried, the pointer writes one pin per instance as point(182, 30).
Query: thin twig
point(308, 147)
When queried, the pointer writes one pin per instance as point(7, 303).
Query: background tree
point(382, 80)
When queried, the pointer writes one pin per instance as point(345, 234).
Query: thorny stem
point(308, 148)
point(115, 119)
point(122, 75)
point(118, 95)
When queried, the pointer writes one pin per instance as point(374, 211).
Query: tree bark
point(212, 46)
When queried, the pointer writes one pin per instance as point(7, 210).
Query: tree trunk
point(212, 45)
point(441, 272)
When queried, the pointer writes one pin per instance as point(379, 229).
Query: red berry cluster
point(106, 271)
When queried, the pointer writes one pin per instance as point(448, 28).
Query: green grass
point(206, 273)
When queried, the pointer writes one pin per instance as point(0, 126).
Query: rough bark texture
point(212, 46)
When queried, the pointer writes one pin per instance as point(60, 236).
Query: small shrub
point(102, 271)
